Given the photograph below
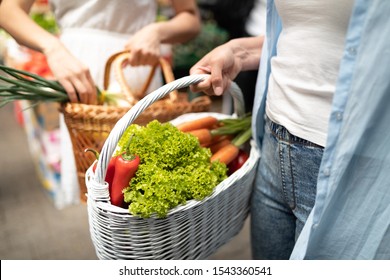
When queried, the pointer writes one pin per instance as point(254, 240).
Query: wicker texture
point(89, 125)
point(192, 231)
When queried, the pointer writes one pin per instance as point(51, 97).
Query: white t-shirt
point(123, 16)
point(304, 71)
point(93, 30)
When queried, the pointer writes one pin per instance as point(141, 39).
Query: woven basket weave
point(191, 231)
point(89, 125)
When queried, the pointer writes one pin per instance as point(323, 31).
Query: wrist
point(247, 51)
point(51, 46)
point(156, 30)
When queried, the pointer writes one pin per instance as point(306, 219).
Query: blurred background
point(39, 219)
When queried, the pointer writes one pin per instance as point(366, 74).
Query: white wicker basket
point(192, 231)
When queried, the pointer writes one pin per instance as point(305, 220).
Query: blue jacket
point(351, 216)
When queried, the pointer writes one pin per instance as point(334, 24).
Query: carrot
point(218, 138)
point(226, 154)
point(204, 136)
point(205, 122)
point(218, 145)
point(229, 152)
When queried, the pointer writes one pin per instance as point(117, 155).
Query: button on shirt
point(351, 216)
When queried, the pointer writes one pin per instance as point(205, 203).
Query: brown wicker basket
point(89, 125)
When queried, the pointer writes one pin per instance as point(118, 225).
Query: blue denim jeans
point(284, 192)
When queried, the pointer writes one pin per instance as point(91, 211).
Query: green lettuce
point(174, 168)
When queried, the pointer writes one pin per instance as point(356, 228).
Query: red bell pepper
point(238, 162)
point(110, 168)
point(125, 167)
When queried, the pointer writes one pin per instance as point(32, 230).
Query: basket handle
point(120, 127)
point(117, 60)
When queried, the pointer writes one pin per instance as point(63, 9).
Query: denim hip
point(284, 192)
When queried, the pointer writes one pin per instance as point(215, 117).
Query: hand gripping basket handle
point(117, 60)
point(120, 127)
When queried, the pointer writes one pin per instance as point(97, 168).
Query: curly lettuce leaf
point(174, 168)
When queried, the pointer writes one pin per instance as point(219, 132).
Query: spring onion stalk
point(242, 137)
point(233, 126)
point(23, 85)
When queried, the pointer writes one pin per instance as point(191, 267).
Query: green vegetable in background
point(174, 168)
point(185, 55)
point(46, 21)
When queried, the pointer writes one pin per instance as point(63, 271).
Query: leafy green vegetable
point(174, 168)
point(46, 21)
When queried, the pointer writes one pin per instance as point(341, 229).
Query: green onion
point(242, 137)
point(36, 78)
point(233, 126)
point(23, 85)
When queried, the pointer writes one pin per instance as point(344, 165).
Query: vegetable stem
point(14, 72)
point(243, 137)
point(233, 126)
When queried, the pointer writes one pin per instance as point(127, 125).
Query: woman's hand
point(225, 62)
point(72, 75)
point(223, 67)
point(144, 46)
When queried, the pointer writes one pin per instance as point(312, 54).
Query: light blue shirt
point(351, 215)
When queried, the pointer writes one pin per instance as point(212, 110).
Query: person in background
point(91, 31)
point(320, 120)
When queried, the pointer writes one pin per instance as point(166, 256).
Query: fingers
point(145, 46)
point(205, 85)
point(215, 84)
point(80, 87)
point(70, 90)
point(216, 78)
point(85, 88)
point(93, 98)
point(143, 57)
point(72, 75)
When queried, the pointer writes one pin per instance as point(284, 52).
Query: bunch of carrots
point(225, 138)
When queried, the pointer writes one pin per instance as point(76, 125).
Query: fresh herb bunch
point(174, 168)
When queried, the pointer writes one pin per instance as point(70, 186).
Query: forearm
point(247, 51)
point(179, 29)
point(14, 19)
point(184, 26)
point(145, 44)
point(70, 73)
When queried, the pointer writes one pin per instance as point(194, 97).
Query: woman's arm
point(15, 19)
point(73, 76)
point(225, 62)
point(185, 25)
point(182, 27)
